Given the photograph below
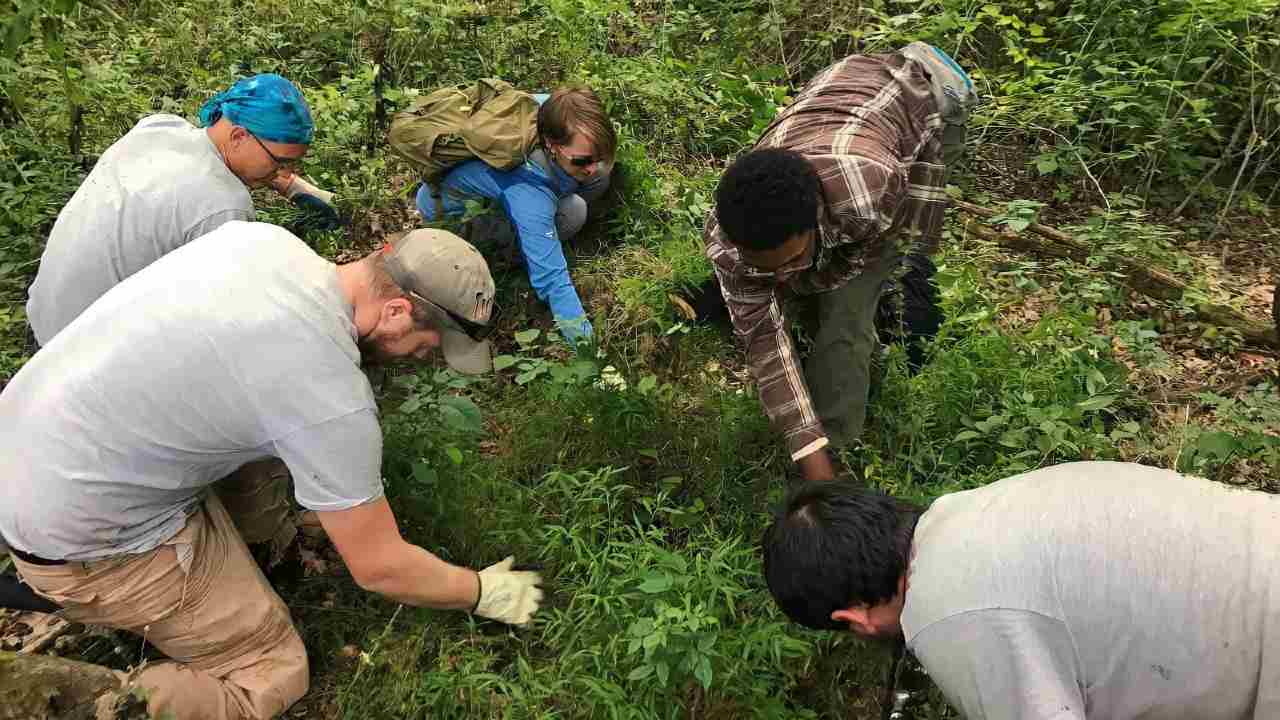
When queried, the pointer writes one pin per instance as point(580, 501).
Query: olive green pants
point(838, 369)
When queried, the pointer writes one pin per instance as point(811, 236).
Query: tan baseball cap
point(453, 278)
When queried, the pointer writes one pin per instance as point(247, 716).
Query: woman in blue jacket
point(546, 197)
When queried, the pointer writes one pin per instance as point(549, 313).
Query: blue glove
point(315, 203)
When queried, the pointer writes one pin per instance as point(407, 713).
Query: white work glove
point(508, 595)
point(316, 202)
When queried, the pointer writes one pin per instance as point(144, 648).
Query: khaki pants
point(201, 599)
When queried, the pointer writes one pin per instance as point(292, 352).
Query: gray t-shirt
point(233, 348)
point(157, 188)
point(1100, 590)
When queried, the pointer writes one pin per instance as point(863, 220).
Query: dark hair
point(835, 545)
point(766, 197)
point(577, 109)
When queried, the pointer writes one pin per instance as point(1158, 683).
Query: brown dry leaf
point(1252, 361)
point(312, 563)
point(1121, 353)
point(1261, 293)
point(1194, 363)
point(349, 651)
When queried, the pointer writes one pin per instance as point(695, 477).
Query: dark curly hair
point(766, 197)
point(834, 545)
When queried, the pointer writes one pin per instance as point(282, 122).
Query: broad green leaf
point(424, 473)
point(524, 337)
point(19, 28)
point(964, 435)
point(1046, 164)
point(455, 455)
point(641, 627)
point(656, 582)
point(1095, 381)
point(1097, 402)
point(647, 384)
point(703, 672)
point(663, 672)
point(640, 673)
point(465, 415)
point(1013, 438)
point(1217, 444)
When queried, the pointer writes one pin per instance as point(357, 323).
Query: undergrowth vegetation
point(639, 476)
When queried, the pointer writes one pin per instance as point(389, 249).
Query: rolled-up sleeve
point(761, 327)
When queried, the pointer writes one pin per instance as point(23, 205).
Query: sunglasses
point(474, 330)
point(283, 163)
point(582, 160)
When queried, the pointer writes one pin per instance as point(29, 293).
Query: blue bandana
point(266, 105)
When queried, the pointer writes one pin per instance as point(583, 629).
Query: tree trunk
point(40, 687)
point(1150, 281)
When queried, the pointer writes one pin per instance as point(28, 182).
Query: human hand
point(510, 596)
point(316, 203)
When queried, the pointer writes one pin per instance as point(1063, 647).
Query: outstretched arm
point(532, 210)
point(381, 561)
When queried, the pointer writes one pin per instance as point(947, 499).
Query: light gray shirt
point(1100, 590)
point(157, 188)
point(233, 348)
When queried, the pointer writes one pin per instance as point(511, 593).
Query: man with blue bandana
point(164, 184)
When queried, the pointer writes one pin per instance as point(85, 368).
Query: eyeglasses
point(473, 330)
point(800, 263)
point(283, 163)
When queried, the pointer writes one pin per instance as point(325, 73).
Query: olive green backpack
point(489, 120)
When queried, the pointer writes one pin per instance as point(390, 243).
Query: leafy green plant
point(532, 362)
point(1018, 214)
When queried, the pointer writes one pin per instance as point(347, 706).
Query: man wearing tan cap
point(134, 446)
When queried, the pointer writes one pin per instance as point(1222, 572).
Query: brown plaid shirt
point(871, 129)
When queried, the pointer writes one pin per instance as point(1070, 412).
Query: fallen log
point(1150, 281)
point(40, 687)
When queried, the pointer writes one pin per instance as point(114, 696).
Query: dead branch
point(1151, 281)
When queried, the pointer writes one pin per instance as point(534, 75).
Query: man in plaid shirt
point(846, 181)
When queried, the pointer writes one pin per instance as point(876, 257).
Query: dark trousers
point(848, 325)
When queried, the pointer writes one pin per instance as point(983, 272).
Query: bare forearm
point(817, 466)
point(416, 577)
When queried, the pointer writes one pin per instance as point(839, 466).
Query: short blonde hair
point(577, 109)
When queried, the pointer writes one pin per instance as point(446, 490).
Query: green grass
point(643, 506)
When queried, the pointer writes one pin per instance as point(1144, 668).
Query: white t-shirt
point(233, 348)
point(157, 188)
point(1100, 590)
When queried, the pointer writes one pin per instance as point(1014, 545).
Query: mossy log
point(41, 687)
point(1150, 281)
